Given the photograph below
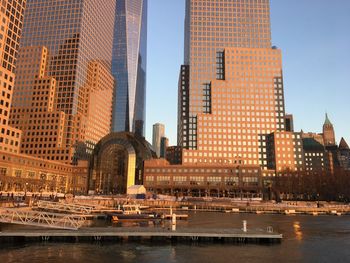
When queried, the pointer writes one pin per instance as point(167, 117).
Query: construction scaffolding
point(41, 219)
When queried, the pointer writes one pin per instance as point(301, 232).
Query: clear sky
point(314, 36)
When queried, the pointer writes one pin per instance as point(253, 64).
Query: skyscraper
point(77, 37)
point(231, 95)
point(211, 26)
point(11, 21)
point(158, 134)
point(129, 66)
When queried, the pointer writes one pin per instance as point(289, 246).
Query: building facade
point(344, 154)
point(212, 26)
point(196, 180)
point(231, 110)
point(78, 39)
point(315, 157)
point(11, 24)
point(289, 122)
point(328, 133)
point(129, 66)
point(174, 154)
point(23, 173)
point(35, 112)
point(158, 134)
point(243, 103)
point(164, 144)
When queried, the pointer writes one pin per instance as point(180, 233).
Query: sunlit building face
point(212, 26)
point(78, 35)
point(11, 23)
point(243, 101)
point(231, 94)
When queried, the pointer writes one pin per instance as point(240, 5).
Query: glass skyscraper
point(129, 66)
point(78, 35)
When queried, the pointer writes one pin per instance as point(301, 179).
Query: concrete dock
point(141, 234)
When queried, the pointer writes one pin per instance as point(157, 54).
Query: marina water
point(306, 239)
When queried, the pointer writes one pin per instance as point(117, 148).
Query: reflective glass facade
point(129, 65)
point(11, 22)
point(78, 35)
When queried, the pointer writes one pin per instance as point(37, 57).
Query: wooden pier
point(142, 234)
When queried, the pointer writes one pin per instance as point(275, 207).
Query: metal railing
point(65, 207)
point(41, 219)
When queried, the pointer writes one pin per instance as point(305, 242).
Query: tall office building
point(231, 96)
point(11, 22)
point(68, 46)
point(129, 66)
point(34, 110)
point(211, 26)
point(158, 134)
point(231, 113)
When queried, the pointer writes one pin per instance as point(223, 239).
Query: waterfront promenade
point(100, 203)
point(228, 205)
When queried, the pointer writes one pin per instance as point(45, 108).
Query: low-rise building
point(23, 173)
point(202, 180)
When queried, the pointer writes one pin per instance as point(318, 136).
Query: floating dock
point(141, 234)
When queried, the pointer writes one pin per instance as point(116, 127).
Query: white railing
point(65, 207)
point(41, 219)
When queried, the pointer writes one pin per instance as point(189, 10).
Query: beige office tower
point(11, 21)
point(35, 112)
point(243, 103)
point(71, 74)
point(212, 26)
point(231, 96)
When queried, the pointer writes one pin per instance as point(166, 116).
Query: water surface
point(306, 239)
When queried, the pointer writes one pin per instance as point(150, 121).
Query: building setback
point(212, 26)
point(78, 36)
point(35, 112)
point(11, 23)
point(19, 172)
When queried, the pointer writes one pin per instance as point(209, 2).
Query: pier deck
point(190, 234)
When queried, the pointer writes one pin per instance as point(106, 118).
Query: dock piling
point(245, 226)
point(173, 222)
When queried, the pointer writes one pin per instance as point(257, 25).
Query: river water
point(306, 239)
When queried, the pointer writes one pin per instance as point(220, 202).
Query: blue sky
point(314, 36)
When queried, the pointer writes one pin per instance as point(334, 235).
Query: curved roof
point(142, 148)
